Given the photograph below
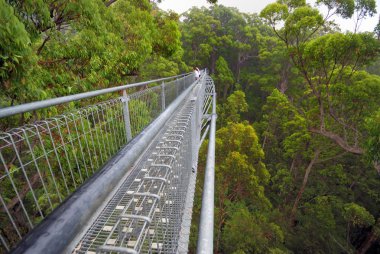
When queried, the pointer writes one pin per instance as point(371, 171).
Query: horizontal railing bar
point(18, 109)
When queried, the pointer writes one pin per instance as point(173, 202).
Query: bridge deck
point(145, 214)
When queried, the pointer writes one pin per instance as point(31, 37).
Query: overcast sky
point(252, 6)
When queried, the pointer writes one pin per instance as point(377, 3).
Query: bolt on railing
point(43, 163)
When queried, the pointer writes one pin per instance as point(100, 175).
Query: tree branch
point(110, 2)
point(303, 186)
point(338, 140)
point(43, 44)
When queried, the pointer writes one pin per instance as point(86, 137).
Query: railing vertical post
point(163, 96)
point(127, 120)
point(177, 85)
point(206, 225)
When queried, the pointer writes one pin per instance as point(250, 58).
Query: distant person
point(197, 73)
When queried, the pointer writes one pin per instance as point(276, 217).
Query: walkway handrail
point(206, 225)
point(10, 111)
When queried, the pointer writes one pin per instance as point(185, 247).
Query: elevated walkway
point(122, 171)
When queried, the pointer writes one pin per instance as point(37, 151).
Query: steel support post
point(163, 96)
point(127, 120)
point(176, 86)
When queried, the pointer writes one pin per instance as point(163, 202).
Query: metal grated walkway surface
point(145, 214)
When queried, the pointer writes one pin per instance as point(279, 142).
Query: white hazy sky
point(252, 6)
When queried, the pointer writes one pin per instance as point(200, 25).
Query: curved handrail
point(10, 111)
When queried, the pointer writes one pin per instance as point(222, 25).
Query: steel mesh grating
point(146, 212)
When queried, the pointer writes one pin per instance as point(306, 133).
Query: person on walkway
point(197, 73)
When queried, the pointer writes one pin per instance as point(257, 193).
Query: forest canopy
point(311, 94)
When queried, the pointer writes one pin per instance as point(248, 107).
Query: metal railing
point(206, 225)
point(148, 213)
point(42, 163)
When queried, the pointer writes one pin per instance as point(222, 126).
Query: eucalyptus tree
point(53, 48)
point(336, 101)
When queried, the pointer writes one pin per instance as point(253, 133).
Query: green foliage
point(293, 3)
point(167, 41)
point(365, 8)
point(318, 227)
point(140, 115)
point(242, 213)
point(232, 109)
point(357, 215)
point(333, 101)
point(282, 184)
point(76, 46)
point(199, 36)
point(223, 77)
point(330, 49)
point(283, 125)
point(240, 169)
point(15, 52)
point(220, 32)
point(274, 13)
point(377, 30)
point(247, 232)
point(301, 24)
point(372, 125)
point(344, 8)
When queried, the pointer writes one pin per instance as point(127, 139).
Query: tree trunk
point(238, 69)
point(376, 164)
point(283, 85)
point(367, 243)
point(370, 239)
point(294, 162)
point(213, 62)
point(110, 2)
point(225, 92)
point(300, 192)
point(348, 236)
point(219, 233)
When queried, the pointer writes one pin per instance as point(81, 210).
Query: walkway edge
point(206, 225)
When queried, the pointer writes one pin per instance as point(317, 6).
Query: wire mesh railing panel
point(175, 87)
point(43, 163)
point(144, 107)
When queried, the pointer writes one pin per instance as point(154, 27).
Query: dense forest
point(297, 149)
point(298, 139)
